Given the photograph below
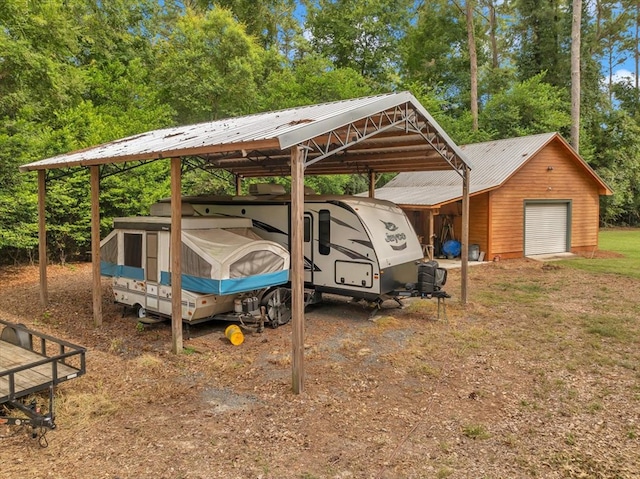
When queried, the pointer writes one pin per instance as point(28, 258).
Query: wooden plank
point(372, 184)
point(464, 255)
point(95, 246)
point(297, 269)
point(176, 250)
point(478, 221)
point(431, 233)
point(42, 239)
point(36, 377)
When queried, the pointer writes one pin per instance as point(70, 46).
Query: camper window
point(194, 264)
point(109, 250)
point(133, 250)
point(324, 232)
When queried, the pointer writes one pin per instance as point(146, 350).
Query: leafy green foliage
point(266, 20)
point(145, 185)
point(432, 53)
point(543, 30)
point(363, 35)
point(208, 67)
point(76, 73)
point(18, 221)
point(311, 80)
point(528, 107)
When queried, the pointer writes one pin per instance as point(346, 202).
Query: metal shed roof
point(384, 133)
point(494, 163)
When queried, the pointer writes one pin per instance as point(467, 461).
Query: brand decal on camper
point(349, 252)
point(266, 227)
point(310, 265)
point(397, 241)
point(389, 225)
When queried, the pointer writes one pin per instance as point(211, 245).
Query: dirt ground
point(536, 377)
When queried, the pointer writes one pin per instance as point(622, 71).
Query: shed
point(530, 195)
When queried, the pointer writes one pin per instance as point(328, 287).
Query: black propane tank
point(430, 277)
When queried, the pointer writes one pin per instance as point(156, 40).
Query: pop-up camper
point(228, 272)
point(353, 246)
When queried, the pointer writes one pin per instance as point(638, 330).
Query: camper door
point(151, 270)
point(309, 265)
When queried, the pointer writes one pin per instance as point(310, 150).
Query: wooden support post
point(95, 245)
point(372, 184)
point(42, 239)
point(297, 268)
point(238, 185)
point(489, 252)
point(176, 260)
point(464, 253)
point(431, 235)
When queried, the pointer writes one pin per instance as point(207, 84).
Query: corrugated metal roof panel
point(424, 195)
point(266, 134)
point(493, 161)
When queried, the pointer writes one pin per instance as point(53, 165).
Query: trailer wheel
point(278, 305)
point(140, 311)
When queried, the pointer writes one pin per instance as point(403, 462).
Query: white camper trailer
point(353, 246)
point(228, 272)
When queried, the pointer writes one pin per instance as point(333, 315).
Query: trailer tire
point(140, 311)
point(277, 303)
point(18, 336)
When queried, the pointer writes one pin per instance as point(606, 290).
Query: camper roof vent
point(164, 209)
point(256, 189)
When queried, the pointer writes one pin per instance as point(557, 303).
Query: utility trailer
point(360, 247)
point(31, 362)
point(228, 272)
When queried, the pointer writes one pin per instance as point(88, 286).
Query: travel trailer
point(353, 246)
point(228, 272)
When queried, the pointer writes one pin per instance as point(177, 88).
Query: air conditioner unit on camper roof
point(266, 189)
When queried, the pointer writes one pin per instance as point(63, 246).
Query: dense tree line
point(75, 73)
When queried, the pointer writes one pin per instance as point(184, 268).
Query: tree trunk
point(493, 27)
point(636, 55)
point(575, 74)
point(473, 60)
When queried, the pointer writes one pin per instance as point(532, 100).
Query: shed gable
point(551, 174)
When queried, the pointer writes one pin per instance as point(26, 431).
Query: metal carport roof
point(384, 133)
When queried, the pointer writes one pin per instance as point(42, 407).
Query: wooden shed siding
point(479, 221)
point(535, 181)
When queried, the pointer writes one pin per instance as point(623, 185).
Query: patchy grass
point(625, 242)
point(84, 408)
point(610, 327)
point(387, 322)
point(476, 431)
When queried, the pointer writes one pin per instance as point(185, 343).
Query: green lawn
point(623, 241)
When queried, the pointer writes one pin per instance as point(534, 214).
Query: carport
point(371, 135)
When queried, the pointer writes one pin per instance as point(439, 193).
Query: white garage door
point(545, 228)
